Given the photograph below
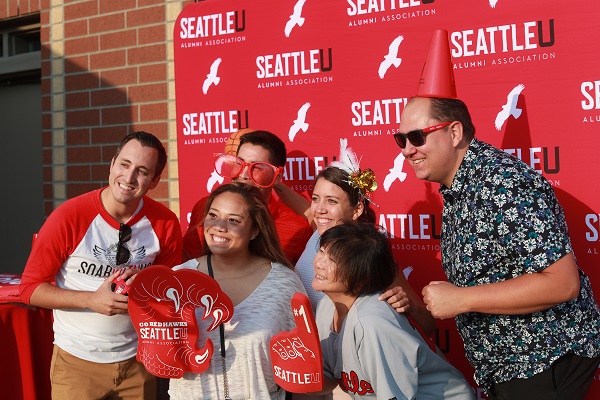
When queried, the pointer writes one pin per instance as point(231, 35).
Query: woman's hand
point(397, 298)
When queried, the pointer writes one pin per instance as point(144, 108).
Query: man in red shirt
point(260, 159)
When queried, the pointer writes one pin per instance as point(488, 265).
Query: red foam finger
point(296, 355)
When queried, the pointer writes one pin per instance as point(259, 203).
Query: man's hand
point(103, 300)
point(443, 299)
point(107, 302)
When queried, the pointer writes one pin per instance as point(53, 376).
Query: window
point(23, 41)
point(20, 50)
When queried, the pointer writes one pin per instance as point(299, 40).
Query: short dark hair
point(268, 140)
point(147, 140)
point(266, 243)
point(453, 110)
point(340, 178)
point(363, 256)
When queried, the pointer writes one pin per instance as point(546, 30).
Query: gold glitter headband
point(348, 162)
point(363, 181)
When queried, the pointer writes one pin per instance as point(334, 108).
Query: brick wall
point(107, 69)
point(16, 8)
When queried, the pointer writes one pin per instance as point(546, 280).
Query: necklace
point(222, 339)
point(222, 343)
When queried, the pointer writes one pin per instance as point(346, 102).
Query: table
point(26, 336)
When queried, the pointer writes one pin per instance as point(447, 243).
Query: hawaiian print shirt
point(501, 219)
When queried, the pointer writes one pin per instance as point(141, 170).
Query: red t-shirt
point(293, 230)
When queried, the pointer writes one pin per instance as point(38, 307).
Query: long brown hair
point(266, 243)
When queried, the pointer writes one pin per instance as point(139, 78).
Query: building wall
point(107, 69)
point(15, 8)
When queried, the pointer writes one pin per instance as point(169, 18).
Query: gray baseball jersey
point(378, 354)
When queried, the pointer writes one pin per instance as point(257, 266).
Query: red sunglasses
point(417, 137)
point(261, 173)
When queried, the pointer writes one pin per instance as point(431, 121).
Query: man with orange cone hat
point(525, 311)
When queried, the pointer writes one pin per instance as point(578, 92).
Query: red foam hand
point(162, 305)
point(296, 355)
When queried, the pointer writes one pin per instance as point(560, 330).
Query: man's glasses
point(122, 251)
point(417, 137)
point(261, 173)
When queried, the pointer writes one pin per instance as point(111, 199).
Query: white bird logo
point(510, 108)
point(212, 78)
point(212, 181)
point(299, 122)
point(395, 173)
point(295, 19)
point(391, 58)
point(493, 3)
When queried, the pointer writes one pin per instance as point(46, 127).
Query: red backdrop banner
point(313, 72)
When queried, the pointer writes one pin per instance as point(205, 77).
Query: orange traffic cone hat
point(437, 77)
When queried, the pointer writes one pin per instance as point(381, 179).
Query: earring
point(253, 237)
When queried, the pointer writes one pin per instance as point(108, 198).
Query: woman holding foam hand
point(243, 255)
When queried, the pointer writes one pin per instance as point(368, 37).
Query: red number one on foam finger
point(296, 355)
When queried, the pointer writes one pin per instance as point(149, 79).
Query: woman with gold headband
point(342, 192)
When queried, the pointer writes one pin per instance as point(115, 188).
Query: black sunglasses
point(417, 137)
point(122, 251)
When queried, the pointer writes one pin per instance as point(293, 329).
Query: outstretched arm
point(405, 300)
point(525, 294)
point(103, 300)
point(294, 200)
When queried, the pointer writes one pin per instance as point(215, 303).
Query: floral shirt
point(501, 219)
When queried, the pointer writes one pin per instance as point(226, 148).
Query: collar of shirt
point(465, 172)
